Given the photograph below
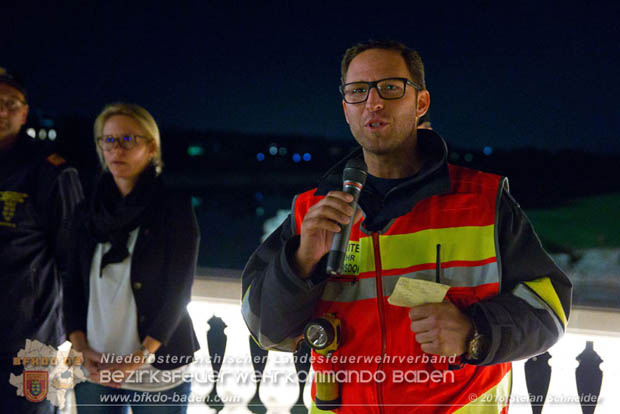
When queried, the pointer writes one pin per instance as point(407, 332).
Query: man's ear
point(344, 109)
point(424, 102)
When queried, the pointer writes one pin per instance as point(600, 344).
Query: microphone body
point(354, 178)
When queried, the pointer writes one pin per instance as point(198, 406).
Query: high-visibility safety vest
point(379, 365)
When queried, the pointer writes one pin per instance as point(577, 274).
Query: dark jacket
point(277, 303)
point(163, 265)
point(38, 193)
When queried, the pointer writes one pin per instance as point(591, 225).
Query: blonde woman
point(135, 246)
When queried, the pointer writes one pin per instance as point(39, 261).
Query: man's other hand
point(441, 328)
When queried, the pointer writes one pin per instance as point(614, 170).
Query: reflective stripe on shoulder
point(493, 401)
point(540, 294)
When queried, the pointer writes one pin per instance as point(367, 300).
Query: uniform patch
point(10, 200)
point(35, 385)
point(55, 160)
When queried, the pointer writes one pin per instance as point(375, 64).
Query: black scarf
point(112, 217)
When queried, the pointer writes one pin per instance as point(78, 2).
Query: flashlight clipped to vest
point(323, 335)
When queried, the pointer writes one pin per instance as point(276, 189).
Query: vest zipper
point(375, 242)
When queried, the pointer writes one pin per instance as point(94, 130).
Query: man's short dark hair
point(411, 57)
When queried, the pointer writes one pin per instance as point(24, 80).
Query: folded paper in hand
point(412, 292)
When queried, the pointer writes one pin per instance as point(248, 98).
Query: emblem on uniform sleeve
point(35, 385)
point(10, 200)
point(56, 160)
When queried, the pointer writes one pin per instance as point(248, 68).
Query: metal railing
point(580, 373)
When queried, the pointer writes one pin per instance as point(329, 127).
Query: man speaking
point(423, 221)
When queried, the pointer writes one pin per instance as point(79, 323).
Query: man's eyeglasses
point(108, 142)
point(11, 104)
point(390, 88)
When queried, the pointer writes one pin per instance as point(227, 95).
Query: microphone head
point(355, 170)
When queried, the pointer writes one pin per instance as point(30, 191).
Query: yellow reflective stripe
point(492, 401)
point(359, 257)
point(544, 288)
point(315, 410)
point(524, 292)
point(468, 243)
point(245, 295)
point(400, 251)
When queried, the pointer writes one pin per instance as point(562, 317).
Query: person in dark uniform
point(38, 192)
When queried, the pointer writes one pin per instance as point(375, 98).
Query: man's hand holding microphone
point(327, 224)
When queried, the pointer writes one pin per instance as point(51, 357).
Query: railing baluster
point(537, 378)
point(216, 342)
point(302, 366)
point(589, 378)
point(259, 360)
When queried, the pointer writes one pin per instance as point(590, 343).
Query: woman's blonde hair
point(138, 114)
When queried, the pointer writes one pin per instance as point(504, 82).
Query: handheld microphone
point(354, 178)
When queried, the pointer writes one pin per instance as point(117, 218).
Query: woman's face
point(127, 163)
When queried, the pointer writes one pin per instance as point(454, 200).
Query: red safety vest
point(379, 365)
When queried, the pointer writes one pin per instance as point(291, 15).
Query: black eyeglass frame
point(118, 140)
point(19, 105)
point(373, 84)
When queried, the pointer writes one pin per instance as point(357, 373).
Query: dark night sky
point(501, 75)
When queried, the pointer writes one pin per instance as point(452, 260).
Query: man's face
point(11, 120)
point(382, 126)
